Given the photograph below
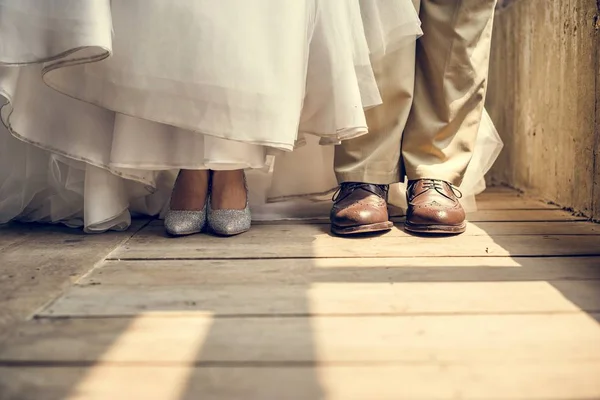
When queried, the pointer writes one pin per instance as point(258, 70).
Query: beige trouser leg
point(449, 93)
point(450, 85)
point(375, 157)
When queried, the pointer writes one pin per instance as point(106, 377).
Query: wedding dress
point(103, 101)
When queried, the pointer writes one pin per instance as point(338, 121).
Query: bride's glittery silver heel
point(230, 222)
point(184, 222)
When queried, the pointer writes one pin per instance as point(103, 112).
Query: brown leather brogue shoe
point(433, 207)
point(360, 208)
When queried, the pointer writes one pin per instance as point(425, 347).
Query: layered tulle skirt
point(104, 101)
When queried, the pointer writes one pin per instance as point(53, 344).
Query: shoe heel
point(229, 222)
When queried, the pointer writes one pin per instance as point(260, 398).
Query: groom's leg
point(450, 86)
point(366, 165)
point(375, 157)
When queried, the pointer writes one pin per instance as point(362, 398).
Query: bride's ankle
point(191, 190)
point(228, 190)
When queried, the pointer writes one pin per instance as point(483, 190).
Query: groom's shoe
point(433, 207)
point(360, 208)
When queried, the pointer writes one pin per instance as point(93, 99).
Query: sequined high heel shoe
point(184, 222)
point(230, 222)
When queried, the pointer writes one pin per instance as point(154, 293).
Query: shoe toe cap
point(359, 214)
point(230, 222)
point(436, 216)
point(184, 222)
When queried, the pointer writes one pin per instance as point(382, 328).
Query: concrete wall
point(543, 96)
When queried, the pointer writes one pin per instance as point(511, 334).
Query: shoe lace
point(438, 186)
point(345, 189)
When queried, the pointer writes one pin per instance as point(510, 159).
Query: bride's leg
point(190, 191)
point(228, 211)
point(228, 190)
point(187, 211)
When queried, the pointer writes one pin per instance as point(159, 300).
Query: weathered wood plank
point(523, 215)
point(473, 229)
point(42, 261)
point(298, 271)
point(201, 338)
point(486, 381)
point(10, 236)
point(510, 203)
point(493, 200)
point(316, 242)
point(487, 211)
point(532, 228)
point(325, 298)
point(490, 215)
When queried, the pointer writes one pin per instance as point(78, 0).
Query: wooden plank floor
point(509, 310)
